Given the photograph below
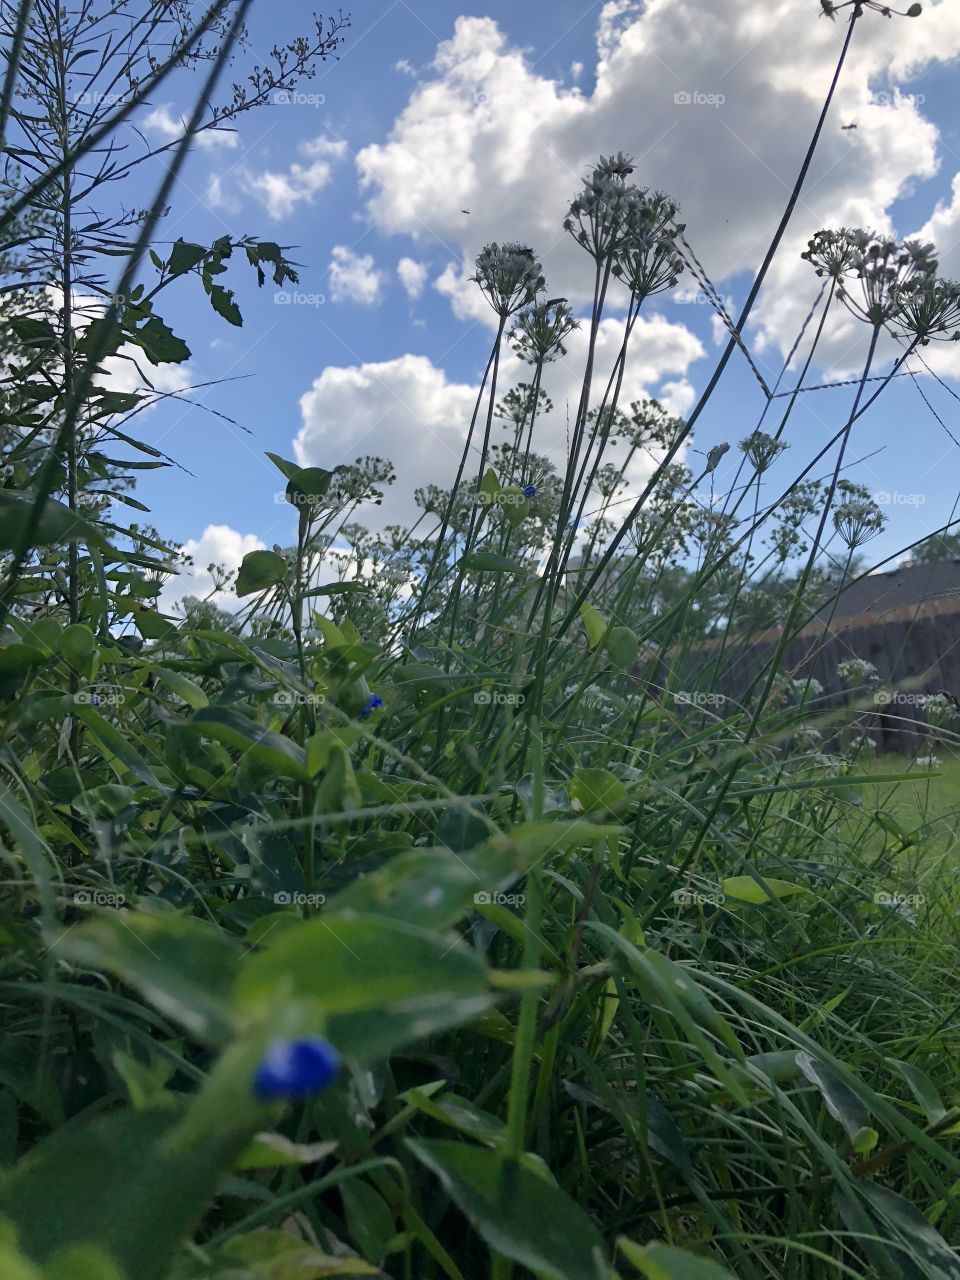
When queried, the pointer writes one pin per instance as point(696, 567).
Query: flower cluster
point(599, 215)
point(857, 521)
point(540, 329)
point(938, 708)
point(648, 261)
point(510, 276)
point(761, 449)
point(856, 671)
point(897, 279)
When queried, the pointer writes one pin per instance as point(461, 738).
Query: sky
point(442, 127)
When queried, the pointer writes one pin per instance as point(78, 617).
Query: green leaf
point(159, 343)
point(518, 1210)
point(746, 889)
point(840, 1100)
point(307, 486)
point(113, 1183)
point(593, 624)
point(490, 562)
point(272, 751)
point(115, 744)
point(184, 688)
point(56, 523)
point(260, 570)
point(923, 1089)
point(78, 646)
point(183, 967)
point(622, 646)
point(460, 1114)
point(33, 332)
point(369, 1219)
point(184, 257)
point(381, 984)
point(664, 1262)
point(222, 301)
point(597, 791)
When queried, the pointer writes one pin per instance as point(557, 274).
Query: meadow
point(434, 915)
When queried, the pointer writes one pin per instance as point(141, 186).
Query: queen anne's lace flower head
point(510, 276)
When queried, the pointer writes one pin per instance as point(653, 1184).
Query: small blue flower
point(375, 701)
point(295, 1069)
point(529, 490)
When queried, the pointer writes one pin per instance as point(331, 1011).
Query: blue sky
point(498, 109)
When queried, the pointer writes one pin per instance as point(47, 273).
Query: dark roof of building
point(912, 584)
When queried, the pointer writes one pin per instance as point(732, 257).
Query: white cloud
point(353, 277)
point(413, 276)
point(281, 193)
point(168, 127)
point(488, 133)
point(408, 411)
point(219, 544)
point(404, 409)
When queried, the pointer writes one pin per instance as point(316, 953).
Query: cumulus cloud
point(219, 544)
point(738, 86)
point(413, 276)
point(407, 409)
point(167, 127)
point(281, 192)
point(353, 277)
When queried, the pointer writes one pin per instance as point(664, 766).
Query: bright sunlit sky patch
point(498, 110)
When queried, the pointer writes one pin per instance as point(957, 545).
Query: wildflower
point(761, 449)
point(857, 521)
point(295, 1069)
point(540, 329)
point(374, 703)
point(889, 273)
point(938, 708)
point(927, 762)
point(529, 490)
point(509, 277)
point(648, 260)
point(600, 214)
point(856, 671)
point(929, 311)
point(810, 688)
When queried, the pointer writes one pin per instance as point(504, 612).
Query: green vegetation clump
point(457, 907)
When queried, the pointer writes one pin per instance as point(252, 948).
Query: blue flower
point(295, 1069)
point(529, 490)
point(373, 703)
